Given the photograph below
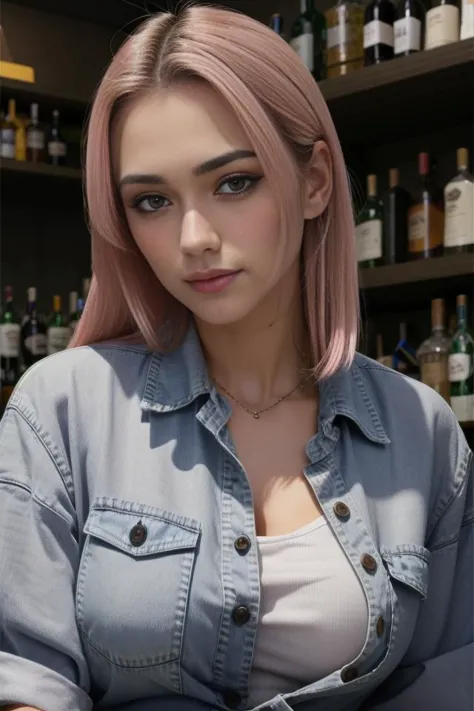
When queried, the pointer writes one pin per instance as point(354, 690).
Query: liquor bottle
point(35, 137)
point(345, 38)
point(409, 27)
point(381, 358)
point(33, 333)
point(59, 333)
point(9, 347)
point(378, 31)
point(9, 131)
point(308, 38)
point(369, 231)
point(276, 24)
point(442, 24)
point(459, 208)
point(56, 145)
point(396, 202)
point(467, 19)
point(20, 138)
point(434, 352)
point(425, 216)
point(461, 366)
point(404, 359)
point(74, 314)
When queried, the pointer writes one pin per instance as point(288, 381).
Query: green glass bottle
point(461, 366)
point(9, 347)
point(308, 38)
point(369, 229)
point(58, 333)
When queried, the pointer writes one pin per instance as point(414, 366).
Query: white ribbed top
point(313, 611)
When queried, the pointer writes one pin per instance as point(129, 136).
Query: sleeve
point(437, 672)
point(41, 658)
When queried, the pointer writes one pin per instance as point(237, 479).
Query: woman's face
point(199, 206)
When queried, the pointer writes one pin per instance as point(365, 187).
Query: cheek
point(153, 242)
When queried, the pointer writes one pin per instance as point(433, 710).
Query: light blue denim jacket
point(127, 538)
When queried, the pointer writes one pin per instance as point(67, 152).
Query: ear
point(318, 181)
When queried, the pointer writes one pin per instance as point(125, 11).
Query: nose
point(198, 235)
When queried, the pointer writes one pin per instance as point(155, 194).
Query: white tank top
point(313, 612)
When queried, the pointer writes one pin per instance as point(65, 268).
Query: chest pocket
point(133, 583)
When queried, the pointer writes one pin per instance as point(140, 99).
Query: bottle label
point(460, 366)
point(376, 32)
point(407, 32)
point(8, 143)
point(10, 340)
point(467, 25)
point(459, 214)
point(36, 344)
point(57, 149)
point(425, 227)
point(20, 144)
point(369, 240)
point(434, 372)
point(304, 47)
point(442, 26)
point(36, 139)
point(58, 338)
point(463, 407)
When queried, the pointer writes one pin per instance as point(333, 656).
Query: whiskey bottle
point(35, 137)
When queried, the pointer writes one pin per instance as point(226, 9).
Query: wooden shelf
point(422, 270)
point(40, 169)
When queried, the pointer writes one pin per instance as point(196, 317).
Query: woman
point(219, 504)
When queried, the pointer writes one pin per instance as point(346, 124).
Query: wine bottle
point(459, 208)
point(425, 216)
point(277, 24)
point(381, 358)
point(378, 31)
point(57, 148)
point(309, 38)
point(9, 347)
point(396, 202)
point(409, 27)
point(467, 19)
point(345, 38)
point(59, 333)
point(9, 131)
point(442, 24)
point(369, 231)
point(35, 137)
point(404, 359)
point(461, 366)
point(33, 333)
point(434, 352)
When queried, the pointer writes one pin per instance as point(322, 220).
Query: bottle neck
point(462, 316)
point(306, 6)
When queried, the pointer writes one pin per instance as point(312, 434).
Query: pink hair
point(283, 113)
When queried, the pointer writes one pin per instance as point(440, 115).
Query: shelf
point(29, 93)
point(402, 97)
point(40, 169)
point(414, 284)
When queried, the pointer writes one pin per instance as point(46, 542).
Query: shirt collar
point(175, 379)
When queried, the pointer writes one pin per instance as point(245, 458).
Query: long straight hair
point(283, 114)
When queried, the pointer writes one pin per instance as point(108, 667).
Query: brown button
point(349, 674)
point(241, 615)
point(369, 562)
point(380, 626)
point(138, 534)
point(242, 544)
point(341, 509)
point(231, 699)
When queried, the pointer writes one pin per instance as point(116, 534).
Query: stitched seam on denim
point(40, 438)
point(367, 401)
point(181, 610)
point(16, 484)
point(463, 468)
point(118, 664)
point(166, 516)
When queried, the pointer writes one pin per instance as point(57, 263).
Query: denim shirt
point(127, 538)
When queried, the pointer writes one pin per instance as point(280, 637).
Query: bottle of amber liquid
point(345, 38)
point(425, 216)
point(433, 354)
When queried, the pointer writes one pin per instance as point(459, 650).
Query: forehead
point(186, 124)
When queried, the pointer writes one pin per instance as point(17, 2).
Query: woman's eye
point(237, 185)
point(150, 203)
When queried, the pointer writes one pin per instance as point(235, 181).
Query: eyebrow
point(207, 167)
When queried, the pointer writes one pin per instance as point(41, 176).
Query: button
point(138, 534)
point(380, 626)
point(241, 615)
point(341, 509)
point(232, 699)
point(242, 544)
point(369, 563)
point(349, 674)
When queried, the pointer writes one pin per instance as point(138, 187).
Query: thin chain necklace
point(256, 413)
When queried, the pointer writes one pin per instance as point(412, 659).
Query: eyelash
point(137, 203)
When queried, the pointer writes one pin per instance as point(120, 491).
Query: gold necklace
point(256, 413)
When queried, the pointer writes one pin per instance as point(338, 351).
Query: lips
point(214, 281)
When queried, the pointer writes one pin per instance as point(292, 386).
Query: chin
point(220, 314)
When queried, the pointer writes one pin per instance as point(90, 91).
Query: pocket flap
point(112, 521)
point(409, 564)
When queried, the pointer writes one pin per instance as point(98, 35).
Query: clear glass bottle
point(434, 352)
point(461, 366)
point(459, 208)
point(35, 137)
point(369, 230)
point(345, 38)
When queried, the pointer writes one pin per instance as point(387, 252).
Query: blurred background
point(398, 78)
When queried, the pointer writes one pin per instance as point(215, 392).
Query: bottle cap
point(437, 313)
point(32, 293)
point(56, 302)
point(423, 163)
point(393, 177)
point(461, 300)
point(462, 156)
point(372, 185)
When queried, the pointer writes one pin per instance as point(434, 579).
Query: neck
point(262, 357)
